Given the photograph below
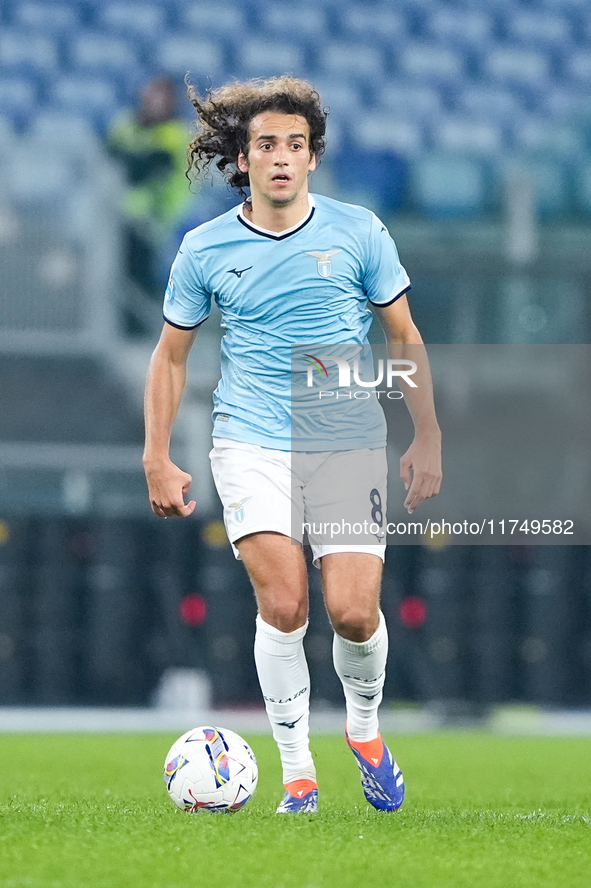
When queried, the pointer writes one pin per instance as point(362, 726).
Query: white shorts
point(334, 500)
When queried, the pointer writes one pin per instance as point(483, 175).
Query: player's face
point(279, 158)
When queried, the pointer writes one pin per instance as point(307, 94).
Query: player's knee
point(286, 615)
point(354, 623)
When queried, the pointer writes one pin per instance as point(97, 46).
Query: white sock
point(361, 667)
point(285, 682)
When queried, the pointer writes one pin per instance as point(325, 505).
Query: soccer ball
point(210, 769)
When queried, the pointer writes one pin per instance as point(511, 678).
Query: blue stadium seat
point(351, 61)
point(374, 177)
point(511, 64)
point(426, 62)
point(342, 98)
point(208, 19)
point(448, 185)
point(63, 129)
point(566, 5)
point(258, 57)
point(372, 22)
point(80, 94)
point(538, 27)
point(485, 100)
point(26, 50)
point(468, 136)
point(379, 130)
point(563, 102)
point(177, 55)
point(304, 21)
point(18, 96)
point(127, 19)
point(35, 185)
point(93, 51)
point(47, 18)
point(475, 27)
point(541, 136)
point(577, 68)
point(419, 100)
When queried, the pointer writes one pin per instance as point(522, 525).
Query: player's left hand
point(420, 470)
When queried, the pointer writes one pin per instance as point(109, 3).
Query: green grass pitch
point(79, 811)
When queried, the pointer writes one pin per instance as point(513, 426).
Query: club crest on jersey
point(239, 509)
point(324, 261)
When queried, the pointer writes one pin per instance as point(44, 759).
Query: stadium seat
point(537, 27)
point(374, 22)
point(33, 184)
point(474, 27)
point(80, 95)
point(177, 55)
point(539, 135)
point(381, 131)
point(562, 102)
point(263, 58)
point(343, 99)
point(448, 185)
point(577, 68)
point(141, 19)
point(27, 50)
point(47, 18)
point(64, 130)
point(409, 99)
point(429, 63)
point(18, 95)
point(305, 21)
point(101, 52)
point(344, 60)
point(516, 64)
point(213, 19)
point(477, 137)
point(375, 177)
point(493, 102)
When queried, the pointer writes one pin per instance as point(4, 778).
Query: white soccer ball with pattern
point(210, 769)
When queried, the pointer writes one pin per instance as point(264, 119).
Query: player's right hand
point(167, 487)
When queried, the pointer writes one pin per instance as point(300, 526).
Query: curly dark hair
point(224, 116)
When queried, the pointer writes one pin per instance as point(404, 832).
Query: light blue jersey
point(309, 284)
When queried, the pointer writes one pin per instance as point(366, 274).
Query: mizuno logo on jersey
point(324, 261)
point(238, 272)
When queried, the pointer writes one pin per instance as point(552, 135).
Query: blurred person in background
point(151, 145)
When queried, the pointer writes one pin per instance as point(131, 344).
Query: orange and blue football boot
point(381, 778)
point(301, 797)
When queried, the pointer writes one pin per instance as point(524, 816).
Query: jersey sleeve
point(385, 278)
point(187, 303)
